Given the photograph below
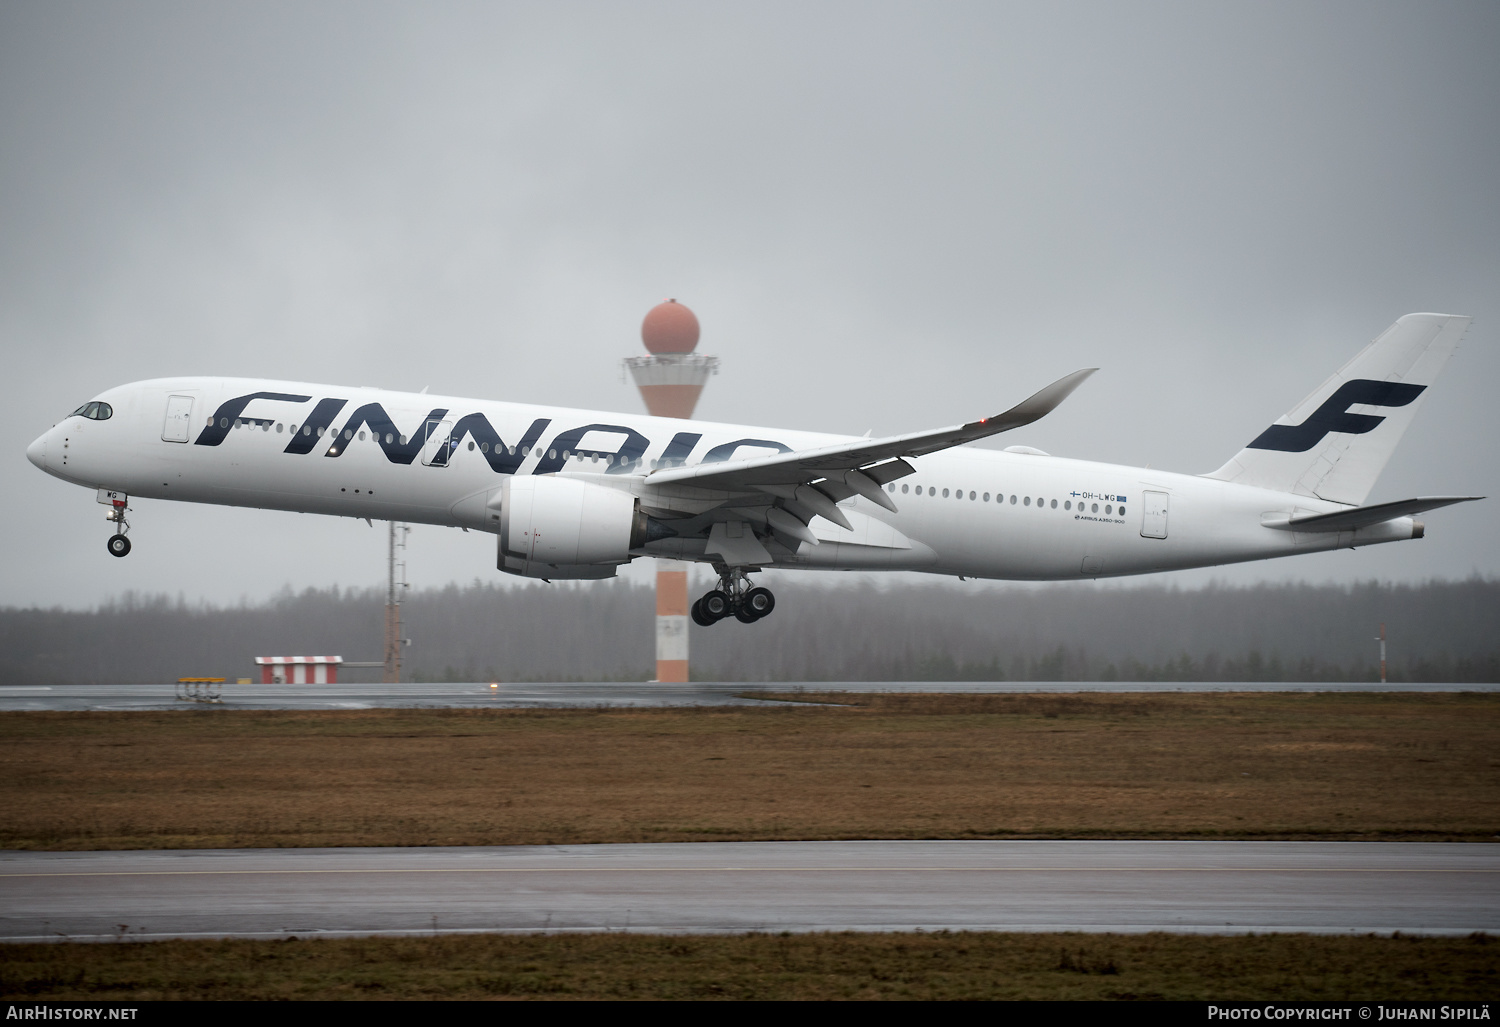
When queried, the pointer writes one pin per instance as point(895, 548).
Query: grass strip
point(1175, 765)
point(942, 965)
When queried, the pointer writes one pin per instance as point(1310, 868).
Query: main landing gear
point(735, 597)
point(118, 544)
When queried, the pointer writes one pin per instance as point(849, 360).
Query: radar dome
point(670, 327)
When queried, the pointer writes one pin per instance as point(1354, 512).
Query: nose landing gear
point(734, 597)
point(118, 544)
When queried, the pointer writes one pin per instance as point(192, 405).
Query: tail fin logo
point(1334, 415)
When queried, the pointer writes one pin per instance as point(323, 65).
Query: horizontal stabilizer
point(1364, 516)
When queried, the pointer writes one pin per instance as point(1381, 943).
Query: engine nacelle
point(554, 527)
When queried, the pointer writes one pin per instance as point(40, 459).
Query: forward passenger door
point(178, 420)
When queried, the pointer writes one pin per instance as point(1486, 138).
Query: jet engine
point(553, 527)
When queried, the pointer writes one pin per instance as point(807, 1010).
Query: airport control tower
point(670, 380)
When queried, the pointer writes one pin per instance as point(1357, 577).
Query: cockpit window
point(95, 411)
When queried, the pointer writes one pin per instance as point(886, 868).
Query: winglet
point(1039, 405)
point(1023, 413)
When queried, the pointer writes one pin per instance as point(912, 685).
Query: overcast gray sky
point(887, 217)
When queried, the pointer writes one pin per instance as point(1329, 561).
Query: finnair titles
point(576, 494)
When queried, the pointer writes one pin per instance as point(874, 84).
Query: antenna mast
point(394, 586)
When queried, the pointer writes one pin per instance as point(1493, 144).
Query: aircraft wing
point(876, 461)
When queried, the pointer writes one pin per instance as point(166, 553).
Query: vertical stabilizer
point(1334, 444)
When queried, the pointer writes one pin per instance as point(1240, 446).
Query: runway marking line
point(842, 870)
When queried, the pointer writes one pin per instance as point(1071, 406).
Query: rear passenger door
point(1154, 515)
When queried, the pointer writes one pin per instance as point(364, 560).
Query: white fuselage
point(979, 513)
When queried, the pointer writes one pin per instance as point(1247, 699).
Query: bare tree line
point(599, 631)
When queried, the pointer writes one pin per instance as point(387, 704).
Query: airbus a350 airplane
point(575, 494)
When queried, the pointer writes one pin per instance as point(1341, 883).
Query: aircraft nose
point(37, 452)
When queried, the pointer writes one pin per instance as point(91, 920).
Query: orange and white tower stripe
point(670, 380)
point(671, 620)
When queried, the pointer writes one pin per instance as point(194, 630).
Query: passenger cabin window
point(95, 411)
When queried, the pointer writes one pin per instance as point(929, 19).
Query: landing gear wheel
point(735, 595)
point(714, 606)
point(119, 545)
point(759, 602)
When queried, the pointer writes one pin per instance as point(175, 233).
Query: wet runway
point(363, 696)
point(1204, 887)
point(359, 696)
